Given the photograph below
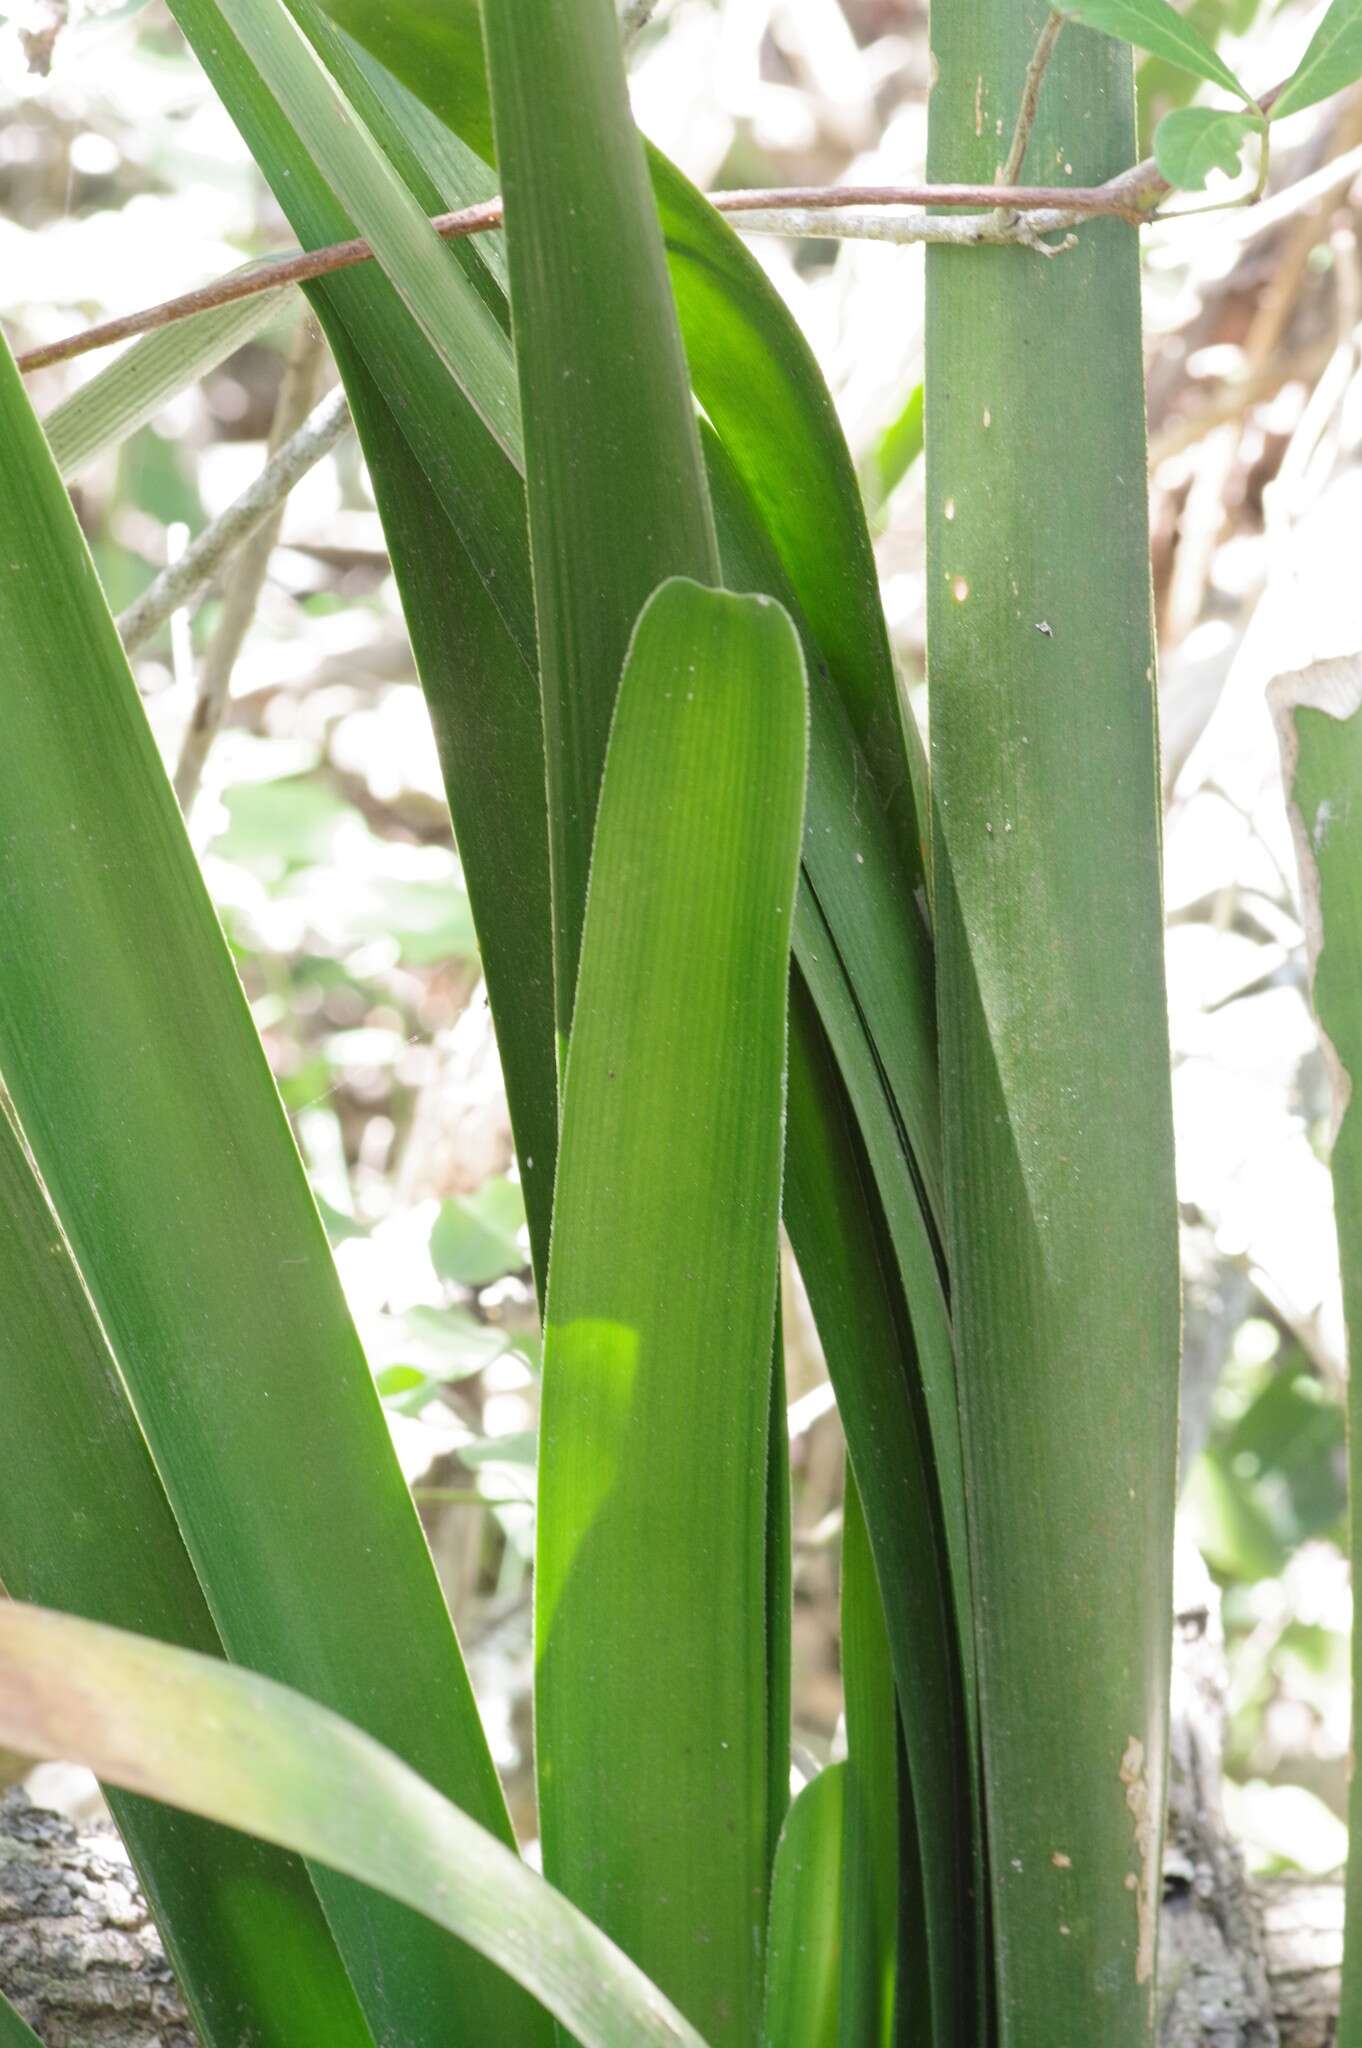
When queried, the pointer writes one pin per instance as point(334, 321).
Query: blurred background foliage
point(323, 833)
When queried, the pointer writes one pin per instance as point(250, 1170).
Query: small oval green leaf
point(1333, 60)
point(476, 1238)
point(1155, 26)
point(1193, 141)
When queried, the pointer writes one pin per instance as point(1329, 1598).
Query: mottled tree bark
point(1241, 1964)
point(79, 1955)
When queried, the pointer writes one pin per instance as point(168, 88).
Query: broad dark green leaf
point(804, 1951)
point(1332, 61)
point(1320, 732)
point(616, 488)
point(484, 705)
point(1155, 26)
point(1193, 141)
point(160, 1138)
point(239, 1748)
point(1054, 1044)
point(651, 1582)
point(790, 521)
point(85, 1526)
point(851, 934)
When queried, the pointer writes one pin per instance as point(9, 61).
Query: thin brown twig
point(1030, 99)
point(1132, 194)
point(299, 266)
point(302, 266)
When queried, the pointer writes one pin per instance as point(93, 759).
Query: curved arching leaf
point(237, 1748)
point(232, 1336)
point(85, 1526)
point(1156, 26)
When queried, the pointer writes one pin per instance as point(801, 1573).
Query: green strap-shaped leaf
point(758, 381)
point(1332, 61)
point(616, 488)
point(442, 44)
point(651, 1600)
point(871, 1828)
point(481, 507)
point(1054, 1039)
point(1155, 26)
point(160, 1138)
point(804, 1951)
point(239, 1748)
point(866, 885)
point(892, 989)
point(779, 1596)
point(1320, 730)
point(85, 1526)
point(849, 1266)
point(465, 462)
point(867, 890)
point(856, 899)
point(874, 926)
point(785, 463)
point(132, 390)
point(433, 284)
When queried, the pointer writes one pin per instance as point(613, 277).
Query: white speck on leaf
point(1324, 817)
